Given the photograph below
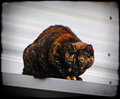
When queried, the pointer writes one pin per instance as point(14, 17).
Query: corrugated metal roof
point(96, 23)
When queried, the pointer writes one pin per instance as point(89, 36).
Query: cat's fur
point(59, 53)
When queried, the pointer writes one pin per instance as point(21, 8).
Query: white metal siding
point(93, 22)
point(54, 85)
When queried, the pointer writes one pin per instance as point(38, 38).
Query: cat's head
point(79, 57)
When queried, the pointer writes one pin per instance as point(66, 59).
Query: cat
point(58, 53)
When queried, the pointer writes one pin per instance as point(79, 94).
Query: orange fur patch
point(63, 37)
point(60, 39)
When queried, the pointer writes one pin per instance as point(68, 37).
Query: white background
point(22, 22)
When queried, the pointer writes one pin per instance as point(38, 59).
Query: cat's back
point(53, 33)
point(52, 37)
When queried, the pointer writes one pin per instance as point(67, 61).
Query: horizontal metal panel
point(95, 23)
point(59, 85)
point(94, 75)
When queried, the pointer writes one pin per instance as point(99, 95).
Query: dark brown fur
point(48, 55)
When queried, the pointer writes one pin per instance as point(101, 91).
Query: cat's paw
point(71, 78)
point(36, 74)
point(39, 75)
point(74, 78)
point(68, 78)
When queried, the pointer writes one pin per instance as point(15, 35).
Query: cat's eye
point(82, 60)
point(70, 59)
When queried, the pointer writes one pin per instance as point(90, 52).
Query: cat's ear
point(89, 46)
point(79, 45)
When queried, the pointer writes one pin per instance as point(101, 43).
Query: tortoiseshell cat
point(59, 53)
